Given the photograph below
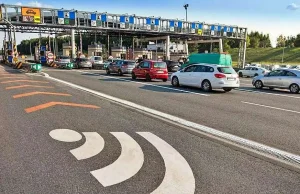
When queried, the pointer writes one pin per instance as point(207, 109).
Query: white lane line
point(252, 145)
point(282, 95)
point(271, 107)
point(93, 145)
point(147, 84)
point(65, 135)
point(127, 165)
point(179, 177)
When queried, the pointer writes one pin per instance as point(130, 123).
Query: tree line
point(288, 41)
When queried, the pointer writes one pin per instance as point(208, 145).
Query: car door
point(198, 75)
point(137, 71)
point(274, 79)
point(186, 74)
point(247, 71)
point(145, 69)
point(288, 78)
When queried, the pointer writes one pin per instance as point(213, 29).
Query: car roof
point(211, 65)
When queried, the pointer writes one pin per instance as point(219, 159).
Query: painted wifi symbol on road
point(178, 177)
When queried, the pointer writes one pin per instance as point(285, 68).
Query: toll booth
point(95, 50)
point(119, 52)
point(67, 49)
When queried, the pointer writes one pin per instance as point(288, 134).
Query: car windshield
point(98, 58)
point(84, 60)
point(160, 65)
point(64, 57)
point(226, 70)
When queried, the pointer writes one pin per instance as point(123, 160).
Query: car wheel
point(227, 89)
point(107, 71)
point(206, 86)
point(240, 74)
point(133, 76)
point(148, 78)
point(294, 88)
point(258, 84)
point(90, 68)
point(120, 72)
point(175, 81)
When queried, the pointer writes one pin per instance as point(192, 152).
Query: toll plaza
point(140, 28)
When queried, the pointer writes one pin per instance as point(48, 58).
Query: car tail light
point(219, 75)
point(124, 65)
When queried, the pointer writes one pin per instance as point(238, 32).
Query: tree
point(254, 42)
point(281, 41)
point(248, 41)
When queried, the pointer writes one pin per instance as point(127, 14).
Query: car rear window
point(98, 58)
point(84, 59)
point(226, 70)
point(64, 57)
point(160, 65)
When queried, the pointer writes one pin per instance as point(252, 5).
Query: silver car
point(121, 67)
point(83, 63)
point(62, 61)
point(279, 78)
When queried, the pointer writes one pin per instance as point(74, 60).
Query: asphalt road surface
point(56, 139)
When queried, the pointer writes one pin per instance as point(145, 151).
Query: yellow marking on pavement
point(27, 86)
point(32, 81)
point(50, 104)
point(36, 93)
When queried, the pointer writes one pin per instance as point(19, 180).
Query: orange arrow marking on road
point(27, 86)
point(23, 81)
point(50, 104)
point(36, 93)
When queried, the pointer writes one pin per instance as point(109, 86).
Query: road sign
point(15, 59)
point(50, 55)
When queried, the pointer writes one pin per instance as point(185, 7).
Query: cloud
point(34, 4)
point(293, 7)
point(18, 3)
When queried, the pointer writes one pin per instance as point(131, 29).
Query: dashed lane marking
point(21, 81)
point(50, 104)
point(37, 93)
point(258, 92)
point(27, 86)
point(271, 107)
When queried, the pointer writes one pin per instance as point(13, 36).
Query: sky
point(273, 17)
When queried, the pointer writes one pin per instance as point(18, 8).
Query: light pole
point(30, 47)
point(186, 12)
point(283, 51)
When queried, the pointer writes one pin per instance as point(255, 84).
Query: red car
point(149, 70)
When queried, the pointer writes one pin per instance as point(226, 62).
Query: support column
point(245, 48)
point(187, 48)
point(167, 47)
point(56, 45)
point(73, 43)
point(220, 45)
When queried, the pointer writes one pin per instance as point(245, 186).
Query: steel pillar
point(73, 43)
point(220, 45)
point(167, 47)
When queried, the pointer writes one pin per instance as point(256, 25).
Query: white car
point(207, 77)
point(252, 71)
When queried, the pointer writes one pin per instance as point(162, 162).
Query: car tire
point(120, 72)
point(148, 78)
point(240, 74)
point(294, 88)
point(258, 84)
point(175, 81)
point(133, 76)
point(206, 86)
point(227, 89)
point(165, 80)
point(107, 72)
point(90, 68)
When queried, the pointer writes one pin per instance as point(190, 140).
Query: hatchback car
point(173, 66)
point(121, 67)
point(97, 62)
point(62, 61)
point(83, 63)
point(207, 77)
point(149, 70)
point(280, 78)
point(252, 71)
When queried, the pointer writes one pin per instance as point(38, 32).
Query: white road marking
point(65, 135)
point(249, 144)
point(147, 84)
point(127, 165)
point(271, 107)
point(258, 92)
point(179, 176)
point(93, 145)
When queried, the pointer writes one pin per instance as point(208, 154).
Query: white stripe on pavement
point(127, 165)
point(271, 107)
point(258, 92)
point(93, 145)
point(65, 135)
point(178, 177)
point(147, 84)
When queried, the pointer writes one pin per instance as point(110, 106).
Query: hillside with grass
point(269, 55)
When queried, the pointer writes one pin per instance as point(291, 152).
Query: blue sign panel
point(219, 28)
point(43, 48)
point(148, 21)
point(193, 26)
point(156, 22)
point(172, 23)
point(103, 17)
point(72, 15)
point(212, 28)
point(225, 29)
point(131, 20)
point(43, 59)
point(179, 24)
point(93, 16)
point(60, 14)
point(122, 19)
point(231, 29)
point(200, 26)
point(10, 58)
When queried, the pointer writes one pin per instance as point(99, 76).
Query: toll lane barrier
point(18, 65)
point(52, 64)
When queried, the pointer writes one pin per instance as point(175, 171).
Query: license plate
point(231, 78)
